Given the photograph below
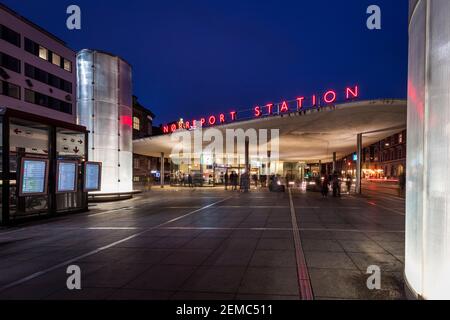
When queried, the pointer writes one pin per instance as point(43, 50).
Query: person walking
point(226, 179)
point(235, 180)
point(190, 180)
point(336, 185)
point(402, 184)
point(349, 183)
point(325, 189)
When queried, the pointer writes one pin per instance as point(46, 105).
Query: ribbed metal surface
point(428, 186)
point(415, 158)
point(412, 5)
point(105, 108)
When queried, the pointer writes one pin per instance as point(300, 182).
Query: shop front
point(42, 169)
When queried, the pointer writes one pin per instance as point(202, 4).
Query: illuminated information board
point(67, 176)
point(92, 176)
point(33, 178)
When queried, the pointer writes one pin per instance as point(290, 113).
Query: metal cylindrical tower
point(427, 256)
point(104, 95)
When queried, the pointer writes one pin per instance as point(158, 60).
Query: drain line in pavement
point(304, 282)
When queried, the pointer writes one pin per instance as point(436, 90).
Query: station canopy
point(314, 134)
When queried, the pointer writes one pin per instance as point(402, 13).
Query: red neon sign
point(300, 102)
point(329, 97)
point(258, 112)
point(350, 94)
point(212, 120)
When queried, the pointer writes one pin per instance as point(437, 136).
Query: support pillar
point(247, 165)
point(162, 173)
point(334, 162)
point(358, 163)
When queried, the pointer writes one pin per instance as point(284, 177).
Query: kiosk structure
point(42, 166)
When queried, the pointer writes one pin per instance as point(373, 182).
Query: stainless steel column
point(247, 165)
point(162, 170)
point(358, 163)
point(334, 162)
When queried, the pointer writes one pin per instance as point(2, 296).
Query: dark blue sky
point(192, 58)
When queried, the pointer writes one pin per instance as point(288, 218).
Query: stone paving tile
point(386, 262)
point(273, 258)
point(316, 234)
point(84, 294)
point(170, 243)
point(244, 234)
point(276, 234)
point(187, 257)
point(230, 257)
point(204, 243)
point(215, 279)
point(385, 236)
point(338, 283)
point(114, 275)
point(19, 271)
point(276, 244)
point(357, 236)
point(272, 281)
point(131, 294)
point(329, 260)
point(146, 256)
point(162, 277)
point(321, 245)
point(393, 247)
point(367, 246)
point(186, 295)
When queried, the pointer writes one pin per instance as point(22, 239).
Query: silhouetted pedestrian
point(349, 183)
point(227, 180)
point(325, 184)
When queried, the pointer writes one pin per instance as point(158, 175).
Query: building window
point(136, 179)
point(10, 36)
point(10, 63)
point(56, 59)
point(67, 65)
point(47, 101)
point(47, 78)
point(400, 138)
point(43, 53)
point(136, 163)
point(136, 123)
point(10, 90)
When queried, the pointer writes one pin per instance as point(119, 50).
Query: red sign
point(328, 98)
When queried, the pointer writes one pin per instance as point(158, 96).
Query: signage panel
point(33, 178)
point(92, 176)
point(67, 176)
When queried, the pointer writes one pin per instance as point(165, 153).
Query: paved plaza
point(212, 244)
